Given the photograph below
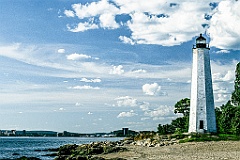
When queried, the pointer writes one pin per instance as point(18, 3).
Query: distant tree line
point(227, 115)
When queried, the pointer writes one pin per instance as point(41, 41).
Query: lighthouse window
point(201, 124)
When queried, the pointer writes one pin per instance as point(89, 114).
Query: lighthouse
point(202, 117)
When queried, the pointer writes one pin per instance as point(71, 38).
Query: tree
point(181, 123)
point(235, 99)
point(165, 129)
point(236, 122)
point(183, 106)
point(160, 130)
point(226, 118)
point(218, 113)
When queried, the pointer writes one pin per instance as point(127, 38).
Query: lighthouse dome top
point(201, 42)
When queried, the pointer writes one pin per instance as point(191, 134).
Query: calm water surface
point(15, 147)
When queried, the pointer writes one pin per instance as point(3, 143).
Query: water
point(15, 147)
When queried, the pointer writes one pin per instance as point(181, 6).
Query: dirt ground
point(221, 150)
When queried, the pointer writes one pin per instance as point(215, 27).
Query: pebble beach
point(214, 150)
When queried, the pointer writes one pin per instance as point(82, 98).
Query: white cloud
point(219, 88)
point(126, 114)
point(223, 51)
point(224, 25)
point(227, 76)
point(144, 106)
point(81, 27)
point(76, 56)
point(97, 80)
point(61, 109)
point(230, 76)
point(85, 87)
point(151, 22)
point(107, 20)
point(170, 28)
point(221, 98)
point(94, 9)
point(161, 22)
point(126, 101)
point(61, 50)
point(117, 70)
point(139, 71)
point(162, 111)
point(151, 89)
point(69, 13)
point(126, 40)
point(78, 104)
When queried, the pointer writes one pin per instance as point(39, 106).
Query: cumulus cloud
point(221, 98)
point(90, 113)
point(126, 40)
point(168, 29)
point(97, 80)
point(85, 87)
point(61, 50)
point(150, 22)
point(81, 27)
point(144, 106)
point(221, 92)
point(224, 25)
point(126, 114)
point(62, 109)
point(69, 13)
point(158, 22)
point(76, 56)
point(151, 89)
point(94, 9)
point(107, 20)
point(126, 101)
point(117, 70)
point(78, 104)
point(228, 76)
point(160, 112)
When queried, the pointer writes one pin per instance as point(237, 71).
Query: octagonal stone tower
point(202, 114)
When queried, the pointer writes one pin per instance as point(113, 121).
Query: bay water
point(15, 147)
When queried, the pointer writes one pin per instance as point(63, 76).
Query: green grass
point(209, 137)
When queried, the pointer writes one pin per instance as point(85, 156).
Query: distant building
point(125, 131)
point(202, 114)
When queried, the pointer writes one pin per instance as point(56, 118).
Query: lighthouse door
point(201, 124)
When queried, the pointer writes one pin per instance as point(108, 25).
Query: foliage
point(183, 106)
point(181, 124)
point(165, 129)
point(235, 99)
point(142, 136)
point(228, 115)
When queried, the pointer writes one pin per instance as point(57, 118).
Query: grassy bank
point(209, 137)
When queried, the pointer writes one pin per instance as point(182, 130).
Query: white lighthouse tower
point(202, 114)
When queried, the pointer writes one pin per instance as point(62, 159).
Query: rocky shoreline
point(101, 150)
point(154, 149)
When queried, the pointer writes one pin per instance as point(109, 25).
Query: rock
point(129, 141)
point(74, 152)
point(67, 149)
point(15, 154)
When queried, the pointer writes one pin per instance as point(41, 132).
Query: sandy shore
point(221, 150)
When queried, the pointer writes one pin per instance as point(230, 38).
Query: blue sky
point(98, 66)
